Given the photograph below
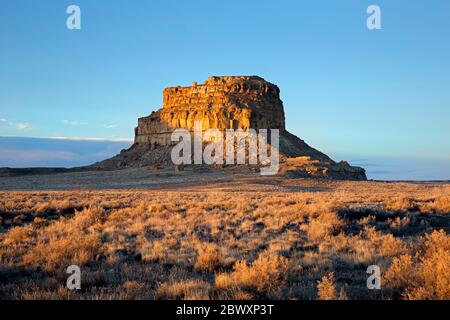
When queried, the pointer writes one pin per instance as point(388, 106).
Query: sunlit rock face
point(243, 102)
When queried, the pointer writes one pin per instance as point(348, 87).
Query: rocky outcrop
point(220, 103)
point(242, 102)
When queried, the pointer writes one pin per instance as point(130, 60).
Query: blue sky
point(346, 89)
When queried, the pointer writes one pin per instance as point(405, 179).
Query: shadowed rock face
point(241, 102)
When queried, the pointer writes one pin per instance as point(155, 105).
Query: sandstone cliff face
point(242, 102)
point(220, 103)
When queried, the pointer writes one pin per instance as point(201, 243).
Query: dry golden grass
point(425, 273)
point(325, 288)
point(209, 257)
point(192, 289)
point(263, 278)
point(299, 239)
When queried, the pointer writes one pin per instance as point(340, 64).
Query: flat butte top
point(239, 90)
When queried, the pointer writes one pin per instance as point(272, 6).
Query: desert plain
point(221, 234)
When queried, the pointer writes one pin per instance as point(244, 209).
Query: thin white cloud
point(22, 126)
point(110, 126)
point(93, 139)
point(17, 125)
point(74, 123)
